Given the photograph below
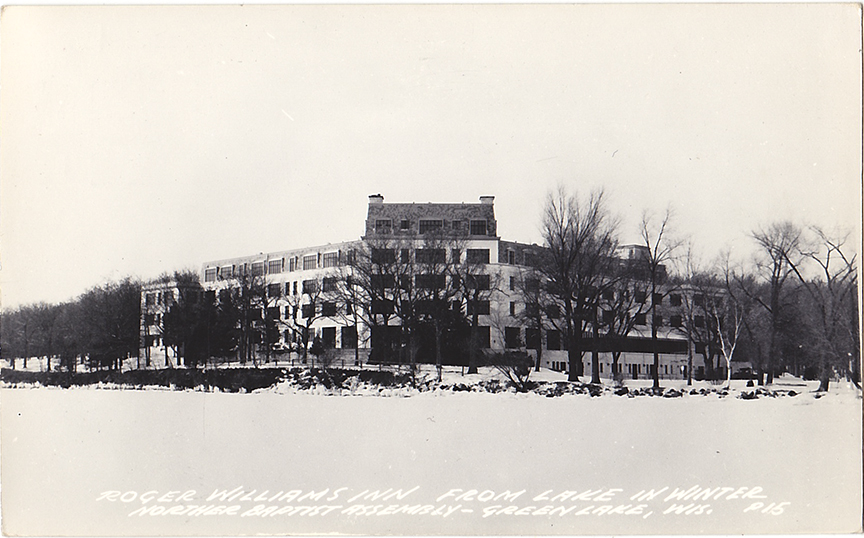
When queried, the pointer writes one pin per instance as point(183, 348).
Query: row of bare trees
point(793, 306)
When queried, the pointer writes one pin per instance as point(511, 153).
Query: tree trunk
point(574, 354)
point(595, 352)
point(438, 364)
point(539, 350)
point(689, 363)
point(656, 372)
point(473, 345)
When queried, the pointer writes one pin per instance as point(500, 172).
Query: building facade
point(305, 300)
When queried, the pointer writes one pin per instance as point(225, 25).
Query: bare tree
point(778, 252)
point(529, 288)
point(660, 250)
point(46, 318)
point(474, 286)
point(622, 309)
point(832, 290)
point(580, 241)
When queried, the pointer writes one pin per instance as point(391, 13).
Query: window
point(382, 306)
point(256, 313)
point(328, 309)
point(405, 256)
point(455, 255)
point(149, 319)
point(657, 298)
point(676, 321)
point(310, 286)
point(287, 312)
point(292, 264)
point(331, 259)
point(328, 337)
point(226, 271)
point(553, 340)
point(480, 282)
point(330, 284)
point(383, 226)
point(210, 274)
point(273, 312)
point(640, 319)
point(608, 316)
point(430, 225)
point(532, 310)
point(512, 337)
point(295, 288)
point(308, 310)
point(532, 338)
point(429, 306)
point(456, 225)
point(699, 321)
point(478, 227)
point(349, 337)
point(658, 320)
point(429, 282)
point(511, 257)
point(430, 255)
point(675, 299)
point(699, 299)
point(274, 290)
point(403, 225)
point(310, 262)
point(275, 266)
point(553, 311)
point(382, 282)
point(512, 283)
point(382, 256)
point(477, 255)
point(640, 297)
point(483, 337)
point(287, 288)
point(608, 295)
point(257, 268)
point(512, 308)
point(478, 307)
point(699, 347)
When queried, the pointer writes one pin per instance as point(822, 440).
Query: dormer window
point(383, 226)
point(430, 225)
point(478, 227)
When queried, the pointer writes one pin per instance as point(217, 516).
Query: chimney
point(487, 200)
point(376, 199)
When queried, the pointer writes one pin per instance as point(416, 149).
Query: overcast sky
point(138, 140)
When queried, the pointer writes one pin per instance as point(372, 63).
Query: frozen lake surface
point(82, 461)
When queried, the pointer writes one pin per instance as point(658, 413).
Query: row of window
point(675, 299)
point(475, 226)
point(429, 256)
point(309, 262)
point(633, 369)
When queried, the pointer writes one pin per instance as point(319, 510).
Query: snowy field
point(125, 462)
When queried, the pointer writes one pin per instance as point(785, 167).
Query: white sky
point(138, 140)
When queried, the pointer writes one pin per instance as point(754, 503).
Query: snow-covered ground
point(81, 462)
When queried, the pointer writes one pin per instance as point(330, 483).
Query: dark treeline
point(101, 325)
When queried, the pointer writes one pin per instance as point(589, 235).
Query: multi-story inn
point(301, 292)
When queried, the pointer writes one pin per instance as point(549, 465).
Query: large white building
point(302, 291)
